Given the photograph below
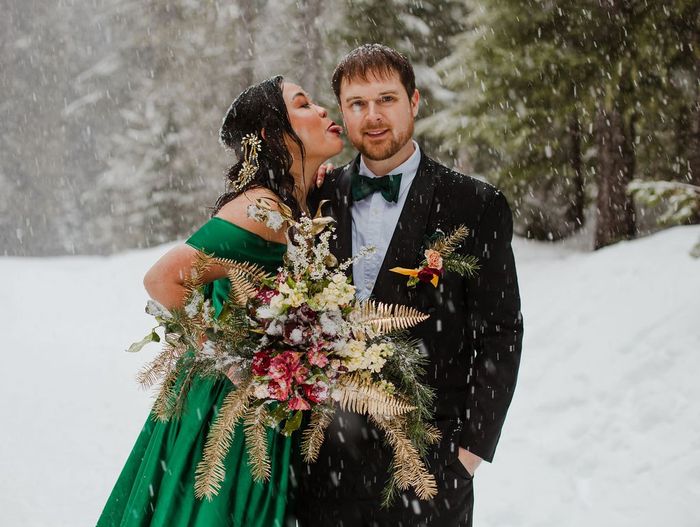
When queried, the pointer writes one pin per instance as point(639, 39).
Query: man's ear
point(415, 102)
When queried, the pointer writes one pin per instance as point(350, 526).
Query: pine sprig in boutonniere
point(440, 257)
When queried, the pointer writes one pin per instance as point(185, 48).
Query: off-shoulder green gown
point(156, 486)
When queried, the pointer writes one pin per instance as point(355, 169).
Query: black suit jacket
point(474, 334)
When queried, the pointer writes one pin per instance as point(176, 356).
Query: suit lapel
point(407, 240)
point(341, 247)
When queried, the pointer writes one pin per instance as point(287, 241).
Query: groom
point(393, 196)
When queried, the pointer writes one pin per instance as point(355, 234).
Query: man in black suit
point(393, 196)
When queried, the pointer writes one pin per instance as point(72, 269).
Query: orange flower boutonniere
point(440, 257)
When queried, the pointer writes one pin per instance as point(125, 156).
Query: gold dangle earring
point(251, 147)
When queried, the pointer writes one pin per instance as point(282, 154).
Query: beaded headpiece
point(251, 147)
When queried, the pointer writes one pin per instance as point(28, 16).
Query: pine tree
point(552, 93)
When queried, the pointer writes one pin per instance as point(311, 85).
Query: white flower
point(267, 311)
point(296, 336)
point(274, 220)
point(275, 328)
point(260, 391)
point(329, 323)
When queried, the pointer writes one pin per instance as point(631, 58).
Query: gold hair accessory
point(251, 147)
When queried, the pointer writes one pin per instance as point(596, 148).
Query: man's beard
point(383, 151)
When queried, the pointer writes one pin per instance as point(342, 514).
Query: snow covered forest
point(586, 112)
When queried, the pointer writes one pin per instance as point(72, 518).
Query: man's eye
point(357, 104)
point(387, 99)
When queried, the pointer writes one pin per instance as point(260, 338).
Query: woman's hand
point(321, 174)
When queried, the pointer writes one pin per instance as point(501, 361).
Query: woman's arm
point(164, 282)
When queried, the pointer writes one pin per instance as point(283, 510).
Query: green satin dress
point(156, 486)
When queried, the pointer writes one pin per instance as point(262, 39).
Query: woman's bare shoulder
point(236, 212)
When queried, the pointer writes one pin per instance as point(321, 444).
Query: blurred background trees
point(586, 113)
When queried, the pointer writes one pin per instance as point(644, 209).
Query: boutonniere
point(439, 258)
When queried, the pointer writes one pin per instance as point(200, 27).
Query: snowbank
point(603, 430)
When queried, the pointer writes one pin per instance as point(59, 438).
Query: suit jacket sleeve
point(495, 328)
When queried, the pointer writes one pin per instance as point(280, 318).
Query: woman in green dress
point(156, 485)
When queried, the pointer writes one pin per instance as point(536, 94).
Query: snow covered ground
point(604, 428)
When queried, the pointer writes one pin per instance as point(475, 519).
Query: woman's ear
point(262, 133)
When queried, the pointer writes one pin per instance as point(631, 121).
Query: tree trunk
point(615, 169)
point(575, 214)
point(694, 140)
point(310, 11)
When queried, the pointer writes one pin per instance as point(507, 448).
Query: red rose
point(261, 363)
point(426, 274)
point(317, 392)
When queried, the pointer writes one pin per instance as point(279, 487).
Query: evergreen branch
point(464, 265)
point(256, 442)
point(312, 437)
point(210, 471)
point(163, 405)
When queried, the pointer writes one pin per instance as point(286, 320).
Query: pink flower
point(298, 403)
point(317, 392)
point(261, 363)
point(265, 294)
point(317, 358)
point(434, 259)
point(286, 366)
point(278, 389)
point(300, 374)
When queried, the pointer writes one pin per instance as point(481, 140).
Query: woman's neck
point(304, 178)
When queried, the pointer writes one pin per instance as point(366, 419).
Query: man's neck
point(385, 166)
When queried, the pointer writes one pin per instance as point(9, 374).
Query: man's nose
point(372, 113)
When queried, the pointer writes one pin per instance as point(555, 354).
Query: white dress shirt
point(373, 222)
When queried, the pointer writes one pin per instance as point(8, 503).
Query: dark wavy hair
point(259, 107)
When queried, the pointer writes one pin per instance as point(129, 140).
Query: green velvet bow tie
point(362, 186)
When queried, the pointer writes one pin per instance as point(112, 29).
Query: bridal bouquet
point(293, 342)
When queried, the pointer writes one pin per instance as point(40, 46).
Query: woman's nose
point(322, 111)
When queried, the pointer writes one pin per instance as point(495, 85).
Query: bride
point(156, 485)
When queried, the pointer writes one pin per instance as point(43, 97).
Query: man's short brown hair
point(375, 59)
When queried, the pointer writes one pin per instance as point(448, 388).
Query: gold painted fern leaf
point(385, 318)
point(409, 469)
point(201, 264)
point(210, 471)
point(256, 442)
point(447, 244)
point(359, 395)
point(312, 437)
